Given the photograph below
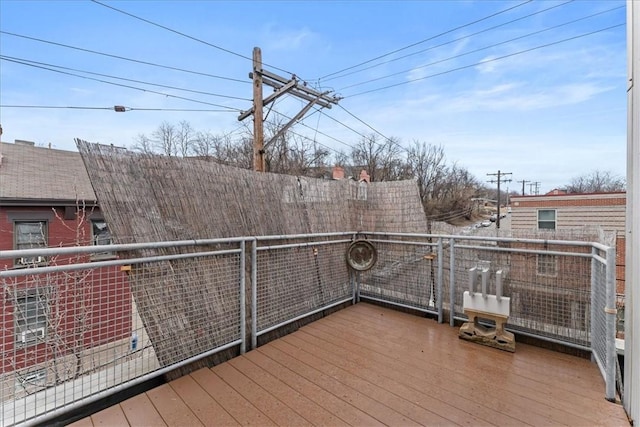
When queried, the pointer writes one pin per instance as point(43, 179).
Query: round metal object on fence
point(361, 255)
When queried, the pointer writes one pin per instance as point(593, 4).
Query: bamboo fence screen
point(147, 198)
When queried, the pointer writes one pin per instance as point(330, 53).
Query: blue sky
point(510, 92)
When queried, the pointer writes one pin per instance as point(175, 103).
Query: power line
point(480, 49)
point(315, 130)
point(486, 61)
point(125, 86)
point(28, 61)
point(117, 108)
point(426, 40)
point(462, 38)
point(125, 58)
point(131, 15)
point(372, 128)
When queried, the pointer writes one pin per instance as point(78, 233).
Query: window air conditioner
point(32, 260)
point(32, 335)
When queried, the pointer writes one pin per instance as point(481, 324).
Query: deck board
point(171, 407)
point(139, 410)
point(368, 365)
point(205, 407)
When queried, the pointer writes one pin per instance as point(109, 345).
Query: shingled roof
point(38, 175)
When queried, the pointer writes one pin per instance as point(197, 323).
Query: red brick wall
point(85, 309)
point(566, 200)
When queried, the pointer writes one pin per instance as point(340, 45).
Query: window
point(547, 219)
point(30, 235)
point(100, 235)
point(30, 318)
point(547, 265)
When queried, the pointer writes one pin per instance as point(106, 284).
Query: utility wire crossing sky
point(534, 87)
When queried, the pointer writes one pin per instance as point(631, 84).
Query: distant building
point(575, 216)
point(46, 200)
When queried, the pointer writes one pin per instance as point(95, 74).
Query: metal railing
point(76, 328)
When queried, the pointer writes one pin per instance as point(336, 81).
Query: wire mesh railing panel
point(599, 326)
point(405, 273)
point(549, 288)
point(188, 306)
point(479, 255)
point(292, 281)
point(73, 328)
point(61, 330)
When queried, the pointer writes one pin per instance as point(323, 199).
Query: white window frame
point(30, 329)
point(39, 243)
point(547, 221)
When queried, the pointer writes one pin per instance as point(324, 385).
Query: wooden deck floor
point(368, 365)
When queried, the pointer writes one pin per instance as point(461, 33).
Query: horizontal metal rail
point(525, 251)
point(303, 245)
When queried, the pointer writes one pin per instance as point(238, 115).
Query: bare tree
point(143, 144)
point(165, 139)
point(597, 182)
point(427, 165)
point(381, 159)
point(185, 135)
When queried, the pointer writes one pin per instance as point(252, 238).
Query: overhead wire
point(301, 122)
point(180, 33)
point(108, 108)
point(486, 61)
point(23, 60)
point(231, 109)
point(480, 49)
point(426, 40)
point(123, 58)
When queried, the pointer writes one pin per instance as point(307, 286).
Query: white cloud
point(287, 39)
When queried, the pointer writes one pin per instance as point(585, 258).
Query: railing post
point(243, 299)
point(439, 286)
point(254, 294)
point(452, 281)
point(610, 312)
point(594, 305)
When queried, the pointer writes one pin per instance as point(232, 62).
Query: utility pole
point(499, 179)
point(281, 86)
point(258, 122)
point(534, 188)
point(523, 182)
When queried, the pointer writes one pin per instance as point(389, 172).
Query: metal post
point(452, 281)
point(610, 311)
point(243, 302)
point(352, 279)
point(254, 294)
point(594, 305)
point(439, 278)
point(499, 285)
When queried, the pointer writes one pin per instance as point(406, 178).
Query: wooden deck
point(368, 365)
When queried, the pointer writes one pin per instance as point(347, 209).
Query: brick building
point(46, 200)
point(574, 216)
